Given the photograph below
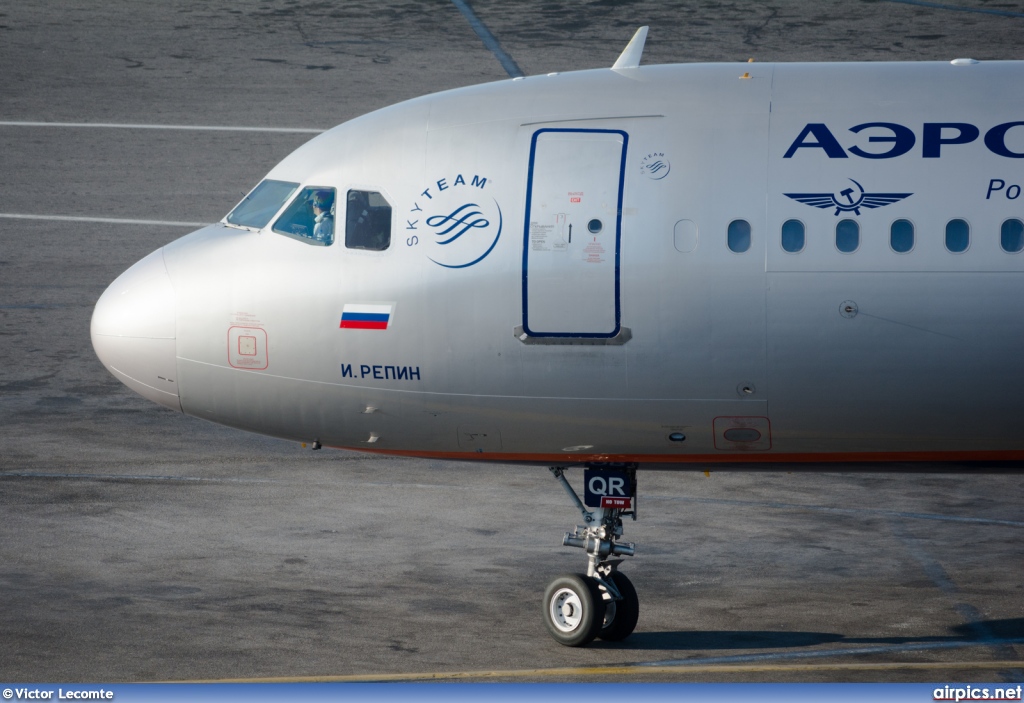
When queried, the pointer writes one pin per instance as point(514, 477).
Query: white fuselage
point(669, 332)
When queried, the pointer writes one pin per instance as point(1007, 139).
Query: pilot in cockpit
point(323, 229)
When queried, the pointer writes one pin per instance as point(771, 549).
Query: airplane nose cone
point(133, 330)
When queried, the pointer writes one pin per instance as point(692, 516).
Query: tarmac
point(139, 544)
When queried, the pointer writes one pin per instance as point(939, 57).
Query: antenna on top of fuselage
point(630, 57)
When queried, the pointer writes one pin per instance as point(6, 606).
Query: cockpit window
point(367, 221)
point(310, 217)
point(261, 204)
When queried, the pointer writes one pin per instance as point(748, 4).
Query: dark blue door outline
point(618, 234)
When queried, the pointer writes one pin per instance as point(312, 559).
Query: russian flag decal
point(366, 317)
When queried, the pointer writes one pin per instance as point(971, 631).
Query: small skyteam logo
point(848, 199)
point(655, 166)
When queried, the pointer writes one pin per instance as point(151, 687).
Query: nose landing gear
point(601, 603)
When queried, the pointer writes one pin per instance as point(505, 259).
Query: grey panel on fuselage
point(928, 360)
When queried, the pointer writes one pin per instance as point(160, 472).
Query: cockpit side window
point(367, 221)
point(261, 204)
point(310, 217)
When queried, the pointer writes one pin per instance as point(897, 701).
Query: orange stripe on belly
point(718, 458)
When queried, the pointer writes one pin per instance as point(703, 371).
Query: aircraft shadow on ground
point(1010, 629)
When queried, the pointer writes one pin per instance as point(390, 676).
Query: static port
point(677, 437)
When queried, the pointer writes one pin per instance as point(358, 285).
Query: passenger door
point(571, 240)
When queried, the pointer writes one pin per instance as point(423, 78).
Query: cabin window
point(1012, 236)
point(847, 236)
point(739, 236)
point(261, 204)
point(901, 236)
point(958, 236)
point(310, 217)
point(793, 236)
point(367, 221)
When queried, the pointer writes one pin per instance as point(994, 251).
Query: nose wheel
point(620, 616)
point(601, 603)
point(574, 609)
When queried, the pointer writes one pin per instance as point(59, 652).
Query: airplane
point(808, 266)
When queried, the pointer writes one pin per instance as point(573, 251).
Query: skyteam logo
point(655, 166)
point(463, 236)
point(848, 199)
point(458, 223)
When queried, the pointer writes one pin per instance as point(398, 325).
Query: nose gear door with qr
point(604, 488)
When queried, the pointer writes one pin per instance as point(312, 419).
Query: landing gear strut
point(601, 603)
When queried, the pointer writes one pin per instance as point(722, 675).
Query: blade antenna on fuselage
point(630, 57)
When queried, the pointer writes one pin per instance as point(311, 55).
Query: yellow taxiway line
point(627, 670)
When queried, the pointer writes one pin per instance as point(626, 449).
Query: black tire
point(621, 616)
point(573, 609)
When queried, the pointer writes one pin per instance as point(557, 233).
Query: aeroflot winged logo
point(457, 223)
point(848, 199)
